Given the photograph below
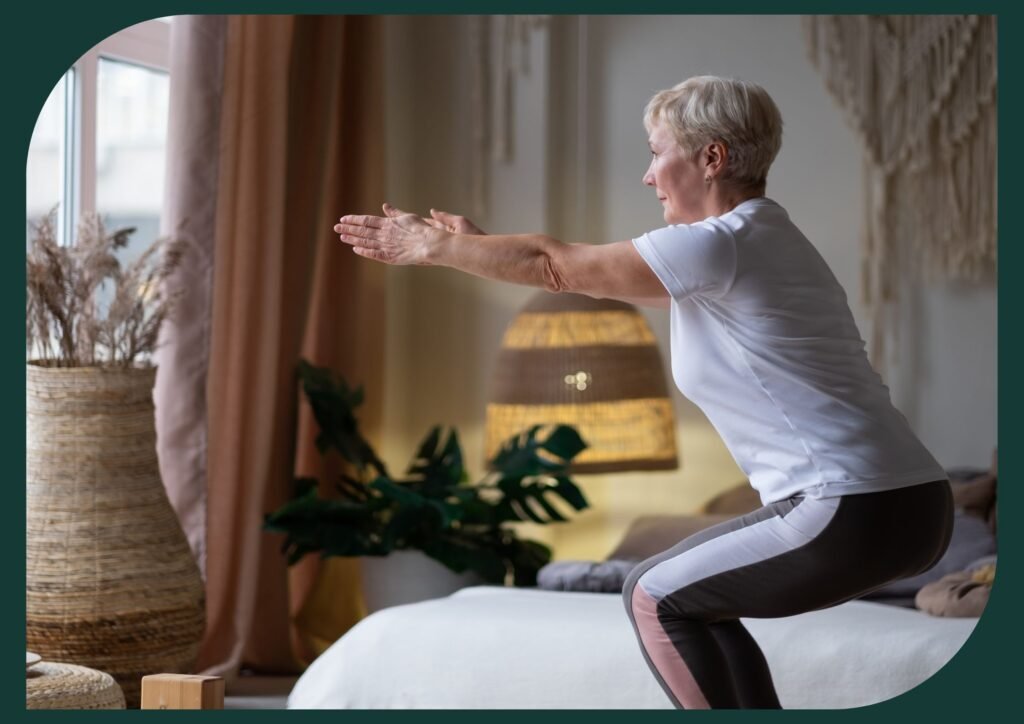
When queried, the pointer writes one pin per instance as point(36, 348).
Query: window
point(100, 140)
point(46, 172)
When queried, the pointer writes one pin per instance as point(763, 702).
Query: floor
point(258, 692)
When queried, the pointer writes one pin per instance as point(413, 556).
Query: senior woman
point(763, 341)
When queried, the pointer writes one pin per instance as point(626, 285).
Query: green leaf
point(451, 458)
point(333, 405)
point(428, 446)
point(565, 442)
point(527, 558)
point(401, 494)
point(351, 489)
point(405, 523)
point(438, 470)
point(552, 512)
point(518, 456)
point(569, 492)
point(525, 478)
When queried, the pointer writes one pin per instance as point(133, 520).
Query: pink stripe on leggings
point(663, 654)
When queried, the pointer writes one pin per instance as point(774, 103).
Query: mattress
point(506, 648)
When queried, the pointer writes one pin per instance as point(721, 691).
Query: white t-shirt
point(763, 341)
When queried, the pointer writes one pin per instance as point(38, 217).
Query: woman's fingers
point(358, 230)
point(373, 222)
point(390, 210)
point(443, 216)
point(393, 211)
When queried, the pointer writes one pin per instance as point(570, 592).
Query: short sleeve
point(691, 259)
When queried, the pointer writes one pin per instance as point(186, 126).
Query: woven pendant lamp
point(590, 363)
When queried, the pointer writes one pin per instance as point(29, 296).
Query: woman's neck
point(723, 199)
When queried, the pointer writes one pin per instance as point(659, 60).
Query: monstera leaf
point(519, 456)
point(438, 467)
point(526, 476)
point(496, 556)
point(462, 553)
point(333, 406)
point(333, 526)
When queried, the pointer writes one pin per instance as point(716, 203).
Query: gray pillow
point(971, 540)
point(589, 576)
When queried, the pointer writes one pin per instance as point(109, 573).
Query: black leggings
point(797, 555)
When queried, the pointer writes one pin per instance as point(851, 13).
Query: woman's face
point(679, 182)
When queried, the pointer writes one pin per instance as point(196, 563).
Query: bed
point(505, 648)
point(488, 647)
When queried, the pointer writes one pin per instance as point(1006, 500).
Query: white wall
point(445, 328)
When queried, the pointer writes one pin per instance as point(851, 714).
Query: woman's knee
point(628, 585)
point(633, 579)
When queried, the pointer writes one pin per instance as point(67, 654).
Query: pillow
point(959, 594)
point(588, 576)
point(650, 535)
point(975, 492)
point(970, 541)
point(647, 536)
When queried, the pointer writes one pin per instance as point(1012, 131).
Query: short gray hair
point(739, 114)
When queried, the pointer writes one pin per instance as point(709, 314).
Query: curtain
point(189, 209)
point(298, 143)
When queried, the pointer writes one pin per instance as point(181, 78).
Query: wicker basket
point(111, 581)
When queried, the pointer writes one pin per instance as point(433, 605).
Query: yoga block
point(182, 691)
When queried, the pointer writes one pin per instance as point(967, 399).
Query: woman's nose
point(648, 178)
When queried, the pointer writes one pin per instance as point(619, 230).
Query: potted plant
point(111, 582)
point(432, 508)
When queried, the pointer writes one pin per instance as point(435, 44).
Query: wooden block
point(182, 691)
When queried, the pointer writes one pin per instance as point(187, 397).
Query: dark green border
point(44, 39)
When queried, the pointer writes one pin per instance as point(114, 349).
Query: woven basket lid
point(50, 685)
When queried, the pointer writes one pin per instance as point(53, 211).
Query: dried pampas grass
point(66, 322)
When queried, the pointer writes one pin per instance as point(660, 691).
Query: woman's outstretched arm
point(608, 270)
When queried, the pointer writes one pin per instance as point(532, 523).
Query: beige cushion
point(650, 535)
point(734, 501)
point(961, 594)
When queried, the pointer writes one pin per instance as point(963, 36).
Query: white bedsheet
point(506, 648)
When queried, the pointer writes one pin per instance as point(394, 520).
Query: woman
point(763, 341)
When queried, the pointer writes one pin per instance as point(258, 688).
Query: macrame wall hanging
point(500, 52)
point(920, 91)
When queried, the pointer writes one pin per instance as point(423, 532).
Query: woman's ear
point(715, 154)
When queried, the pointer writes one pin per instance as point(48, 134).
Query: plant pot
point(406, 577)
point(111, 582)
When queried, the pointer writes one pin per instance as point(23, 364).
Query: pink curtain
point(294, 139)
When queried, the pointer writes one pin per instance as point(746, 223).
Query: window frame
point(146, 44)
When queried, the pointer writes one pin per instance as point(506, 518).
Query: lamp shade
point(591, 363)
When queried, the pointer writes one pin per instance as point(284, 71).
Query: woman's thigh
point(799, 555)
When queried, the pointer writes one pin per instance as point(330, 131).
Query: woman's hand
point(396, 238)
point(444, 221)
